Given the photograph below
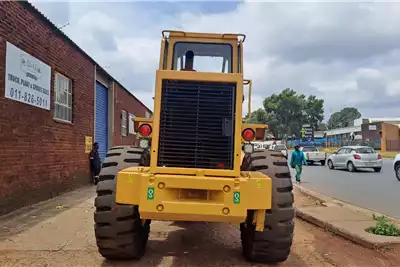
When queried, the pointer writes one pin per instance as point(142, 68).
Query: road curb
point(326, 199)
point(369, 241)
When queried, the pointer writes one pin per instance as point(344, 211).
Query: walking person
point(296, 162)
point(95, 163)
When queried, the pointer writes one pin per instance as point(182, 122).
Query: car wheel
point(377, 169)
point(350, 167)
point(330, 164)
point(397, 169)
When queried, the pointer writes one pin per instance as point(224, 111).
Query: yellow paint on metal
point(137, 122)
point(193, 198)
point(204, 36)
point(212, 195)
point(248, 82)
point(259, 129)
point(260, 219)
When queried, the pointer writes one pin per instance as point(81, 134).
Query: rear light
point(356, 156)
point(145, 130)
point(220, 166)
point(248, 134)
point(379, 156)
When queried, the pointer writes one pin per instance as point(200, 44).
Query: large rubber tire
point(397, 170)
point(120, 233)
point(273, 245)
point(330, 164)
point(377, 169)
point(351, 167)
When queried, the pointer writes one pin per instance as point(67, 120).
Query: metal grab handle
point(249, 83)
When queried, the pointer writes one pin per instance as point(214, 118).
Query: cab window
point(202, 57)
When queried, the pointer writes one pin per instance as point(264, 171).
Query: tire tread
point(119, 232)
point(273, 245)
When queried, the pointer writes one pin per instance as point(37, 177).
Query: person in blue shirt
point(296, 162)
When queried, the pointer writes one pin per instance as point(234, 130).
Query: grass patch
point(383, 227)
point(388, 154)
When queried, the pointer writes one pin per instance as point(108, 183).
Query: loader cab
point(216, 53)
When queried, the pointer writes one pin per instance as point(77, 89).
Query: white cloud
point(346, 53)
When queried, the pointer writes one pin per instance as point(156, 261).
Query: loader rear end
point(196, 161)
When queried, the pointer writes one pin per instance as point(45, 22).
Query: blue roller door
point(101, 123)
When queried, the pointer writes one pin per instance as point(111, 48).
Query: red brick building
point(53, 99)
point(126, 108)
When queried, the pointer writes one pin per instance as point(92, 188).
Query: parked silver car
point(355, 157)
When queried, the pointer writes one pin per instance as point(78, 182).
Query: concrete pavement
point(64, 236)
point(348, 222)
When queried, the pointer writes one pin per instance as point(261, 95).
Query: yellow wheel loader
point(196, 161)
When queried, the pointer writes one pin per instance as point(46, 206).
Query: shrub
point(383, 227)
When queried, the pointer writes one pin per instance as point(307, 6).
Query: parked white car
point(396, 165)
point(312, 155)
point(355, 157)
point(281, 148)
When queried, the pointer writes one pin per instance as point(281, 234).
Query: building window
point(131, 124)
point(123, 123)
point(147, 115)
point(62, 98)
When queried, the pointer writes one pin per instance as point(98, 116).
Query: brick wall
point(125, 101)
point(40, 157)
point(371, 134)
point(390, 137)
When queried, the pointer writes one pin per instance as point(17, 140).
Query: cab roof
point(228, 36)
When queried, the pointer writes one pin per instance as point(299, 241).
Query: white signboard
point(27, 78)
point(372, 127)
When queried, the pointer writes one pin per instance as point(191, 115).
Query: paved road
point(60, 233)
point(378, 192)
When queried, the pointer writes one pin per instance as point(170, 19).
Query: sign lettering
point(27, 78)
point(307, 132)
point(236, 197)
point(150, 193)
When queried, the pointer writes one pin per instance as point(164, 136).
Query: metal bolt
point(227, 188)
point(160, 207)
point(225, 211)
point(161, 185)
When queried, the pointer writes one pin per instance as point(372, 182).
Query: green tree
point(291, 110)
point(314, 109)
point(343, 118)
point(259, 116)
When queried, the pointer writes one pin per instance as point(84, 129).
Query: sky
point(347, 53)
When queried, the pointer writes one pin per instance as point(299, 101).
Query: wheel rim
point(330, 164)
point(350, 166)
point(398, 173)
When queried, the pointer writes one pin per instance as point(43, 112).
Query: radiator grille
point(197, 124)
